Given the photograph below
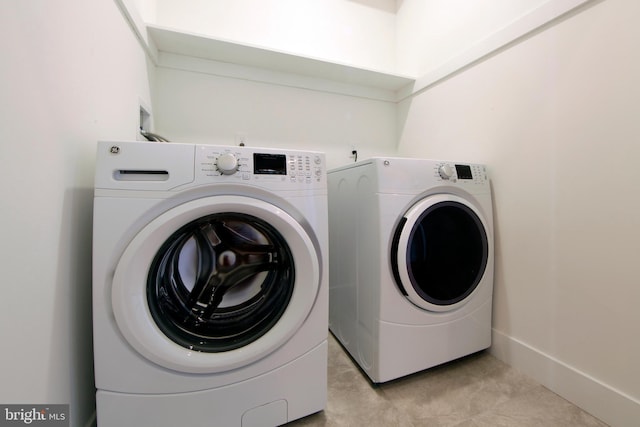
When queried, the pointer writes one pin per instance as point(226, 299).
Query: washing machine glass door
point(215, 283)
point(440, 252)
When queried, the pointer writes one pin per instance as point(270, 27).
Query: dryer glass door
point(440, 252)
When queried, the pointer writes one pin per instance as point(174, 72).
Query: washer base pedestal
point(275, 398)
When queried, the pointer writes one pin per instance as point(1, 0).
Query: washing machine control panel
point(272, 167)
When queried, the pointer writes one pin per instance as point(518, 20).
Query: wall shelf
point(186, 51)
point(277, 67)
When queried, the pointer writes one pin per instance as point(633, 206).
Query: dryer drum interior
point(447, 253)
point(220, 282)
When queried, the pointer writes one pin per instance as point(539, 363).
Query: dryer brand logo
point(37, 415)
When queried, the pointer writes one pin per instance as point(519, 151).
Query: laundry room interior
point(544, 93)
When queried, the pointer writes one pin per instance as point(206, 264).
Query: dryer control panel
point(456, 172)
point(286, 169)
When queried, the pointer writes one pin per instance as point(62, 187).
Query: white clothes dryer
point(210, 285)
point(411, 263)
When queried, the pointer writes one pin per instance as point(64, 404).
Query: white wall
point(556, 119)
point(146, 9)
point(71, 73)
point(429, 33)
point(204, 108)
point(359, 32)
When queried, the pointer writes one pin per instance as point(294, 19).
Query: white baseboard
point(600, 400)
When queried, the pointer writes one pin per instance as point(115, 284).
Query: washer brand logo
point(39, 415)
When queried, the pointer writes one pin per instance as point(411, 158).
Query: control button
point(227, 164)
point(445, 171)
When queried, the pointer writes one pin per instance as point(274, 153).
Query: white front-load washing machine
point(210, 285)
point(411, 263)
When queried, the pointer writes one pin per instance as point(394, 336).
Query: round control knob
point(445, 171)
point(227, 164)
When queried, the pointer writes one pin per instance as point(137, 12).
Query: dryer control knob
point(227, 164)
point(445, 171)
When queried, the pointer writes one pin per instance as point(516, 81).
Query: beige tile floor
point(476, 391)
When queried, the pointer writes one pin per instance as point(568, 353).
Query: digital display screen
point(464, 172)
point(269, 164)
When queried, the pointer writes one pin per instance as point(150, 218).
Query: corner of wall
point(599, 399)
